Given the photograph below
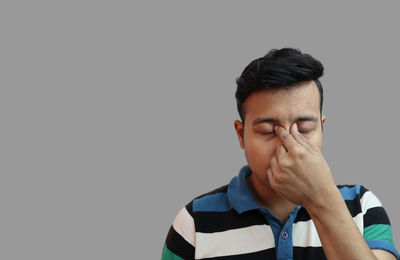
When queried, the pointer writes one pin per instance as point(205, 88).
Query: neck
point(267, 198)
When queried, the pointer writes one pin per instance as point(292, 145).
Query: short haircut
point(279, 69)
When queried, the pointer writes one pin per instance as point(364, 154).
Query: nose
point(285, 126)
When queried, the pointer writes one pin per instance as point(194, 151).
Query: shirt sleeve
point(180, 241)
point(377, 228)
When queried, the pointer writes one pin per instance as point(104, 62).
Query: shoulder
point(214, 200)
point(356, 192)
point(183, 229)
point(209, 201)
point(359, 199)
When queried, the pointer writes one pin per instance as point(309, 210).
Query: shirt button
point(284, 235)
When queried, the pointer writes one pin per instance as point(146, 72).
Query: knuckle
point(284, 163)
point(273, 184)
point(273, 160)
point(281, 167)
point(298, 151)
point(301, 153)
point(279, 178)
point(290, 164)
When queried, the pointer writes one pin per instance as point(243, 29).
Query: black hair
point(278, 69)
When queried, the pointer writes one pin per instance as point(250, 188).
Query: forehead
point(284, 104)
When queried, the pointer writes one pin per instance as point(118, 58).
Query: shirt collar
point(239, 195)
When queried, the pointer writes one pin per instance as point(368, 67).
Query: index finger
point(287, 139)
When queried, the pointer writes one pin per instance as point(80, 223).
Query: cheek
point(315, 140)
point(259, 152)
point(259, 160)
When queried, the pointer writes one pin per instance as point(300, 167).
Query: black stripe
point(362, 191)
point(189, 208)
point(353, 206)
point(264, 254)
point(178, 245)
point(345, 185)
point(302, 215)
point(209, 222)
point(376, 215)
point(309, 253)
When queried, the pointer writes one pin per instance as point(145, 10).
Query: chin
point(263, 179)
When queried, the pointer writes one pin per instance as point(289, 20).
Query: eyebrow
point(273, 120)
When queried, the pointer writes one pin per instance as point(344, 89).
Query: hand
point(298, 171)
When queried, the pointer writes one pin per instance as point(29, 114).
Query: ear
point(239, 127)
point(323, 118)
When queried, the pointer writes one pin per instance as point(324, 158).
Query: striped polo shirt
point(227, 223)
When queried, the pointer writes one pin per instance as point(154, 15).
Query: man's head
point(278, 69)
point(281, 88)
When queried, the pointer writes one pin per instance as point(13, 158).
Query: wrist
point(325, 204)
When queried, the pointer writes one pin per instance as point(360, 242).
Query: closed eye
point(302, 132)
point(269, 133)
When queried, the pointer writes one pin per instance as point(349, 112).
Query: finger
point(294, 131)
point(287, 139)
point(280, 152)
point(270, 174)
point(271, 178)
point(274, 164)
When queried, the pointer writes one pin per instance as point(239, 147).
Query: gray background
point(116, 114)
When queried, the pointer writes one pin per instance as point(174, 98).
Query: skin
point(289, 168)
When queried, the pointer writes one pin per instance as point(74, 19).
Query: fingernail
point(276, 128)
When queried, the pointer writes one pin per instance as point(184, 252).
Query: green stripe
point(379, 232)
point(168, 255)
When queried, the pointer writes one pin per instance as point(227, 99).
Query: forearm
point(339, 235)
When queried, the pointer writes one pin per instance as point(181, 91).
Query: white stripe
point(305, 233)
point(369, 200)
point(184, 225)
point(359, 219)
point(234, 241)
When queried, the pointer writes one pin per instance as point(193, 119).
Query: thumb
point(294, 130)
point(270, 179)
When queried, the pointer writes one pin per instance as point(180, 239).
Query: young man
point(284, 204)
